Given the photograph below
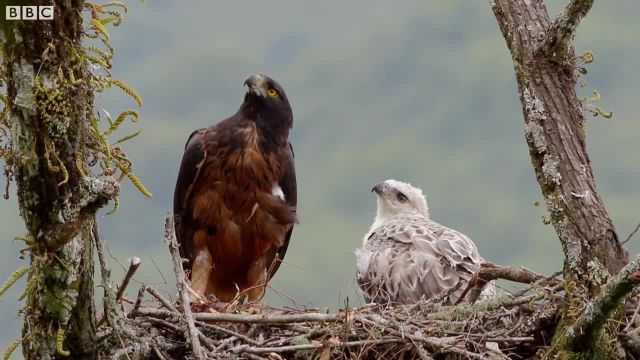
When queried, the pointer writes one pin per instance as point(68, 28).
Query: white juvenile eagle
point(406, 256)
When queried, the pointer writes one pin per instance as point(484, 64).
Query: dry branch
point(632, 234)
point(269, 318)
point(490, 271)
point(294, 348)
point(166, 303)
point(134, 264)
point(442, 344)
point(192, 331)
point(560, 35)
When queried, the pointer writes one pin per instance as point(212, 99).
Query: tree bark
point(544, 63)
point(51, 101)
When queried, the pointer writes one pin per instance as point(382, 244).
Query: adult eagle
point(406, 256)
point(235, 197)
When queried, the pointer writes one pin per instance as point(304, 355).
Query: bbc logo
point(29, 12)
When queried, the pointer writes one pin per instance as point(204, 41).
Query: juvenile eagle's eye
point(272, 92)
point(401, 197)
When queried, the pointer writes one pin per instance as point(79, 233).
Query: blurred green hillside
point(422, 92)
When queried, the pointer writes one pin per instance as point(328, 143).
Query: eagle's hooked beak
point(379, 188)
point(256, 85)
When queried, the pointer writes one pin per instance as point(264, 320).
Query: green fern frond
point(60, 343)
point(11, 348)
point(15, 276)
point(116, 205)
point(128, 137)
point(99, 61)
point(136, 182)
point(123, 115)
point(604, 114)
point(100, 28)
point(119, 4)
point(31, 284)
point(129, 90)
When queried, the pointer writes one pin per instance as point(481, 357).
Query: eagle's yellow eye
point(272, 92)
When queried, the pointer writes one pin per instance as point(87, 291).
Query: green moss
point(53, 94)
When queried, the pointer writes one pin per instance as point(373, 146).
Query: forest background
point(422, 92)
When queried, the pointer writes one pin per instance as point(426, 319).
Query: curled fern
point(123, 115)
point(116, 205)
point(60, 343)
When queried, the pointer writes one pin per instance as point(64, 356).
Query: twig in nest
point(633, 318)
point(228, 341)
point(490, 271)
point(228, 332)
point(166, 303)
point(549, 279)
point(443, 344)
point(192, 331)
point(134, 264)
point(422, 353)
point(269, 318)
point(163, 323)
point(294, 348)
point(157, 352)
point(138, 302)
point(240, 296)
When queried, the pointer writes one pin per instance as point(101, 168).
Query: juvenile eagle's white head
point(398, 198)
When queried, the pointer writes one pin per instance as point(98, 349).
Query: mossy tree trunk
point(51, 102)
point(545, 66)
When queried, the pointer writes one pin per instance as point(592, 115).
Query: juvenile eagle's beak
point(256, 85)
point(379, 188)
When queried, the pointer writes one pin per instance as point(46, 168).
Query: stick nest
point(509, 326)
point(517, 325)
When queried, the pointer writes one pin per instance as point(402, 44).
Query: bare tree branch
point(561, 33)
point(632, 233)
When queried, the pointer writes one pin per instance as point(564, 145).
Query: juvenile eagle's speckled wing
point(412, 257)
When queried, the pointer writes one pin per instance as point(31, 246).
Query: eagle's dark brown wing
point(288, 185)
point(194, 154)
